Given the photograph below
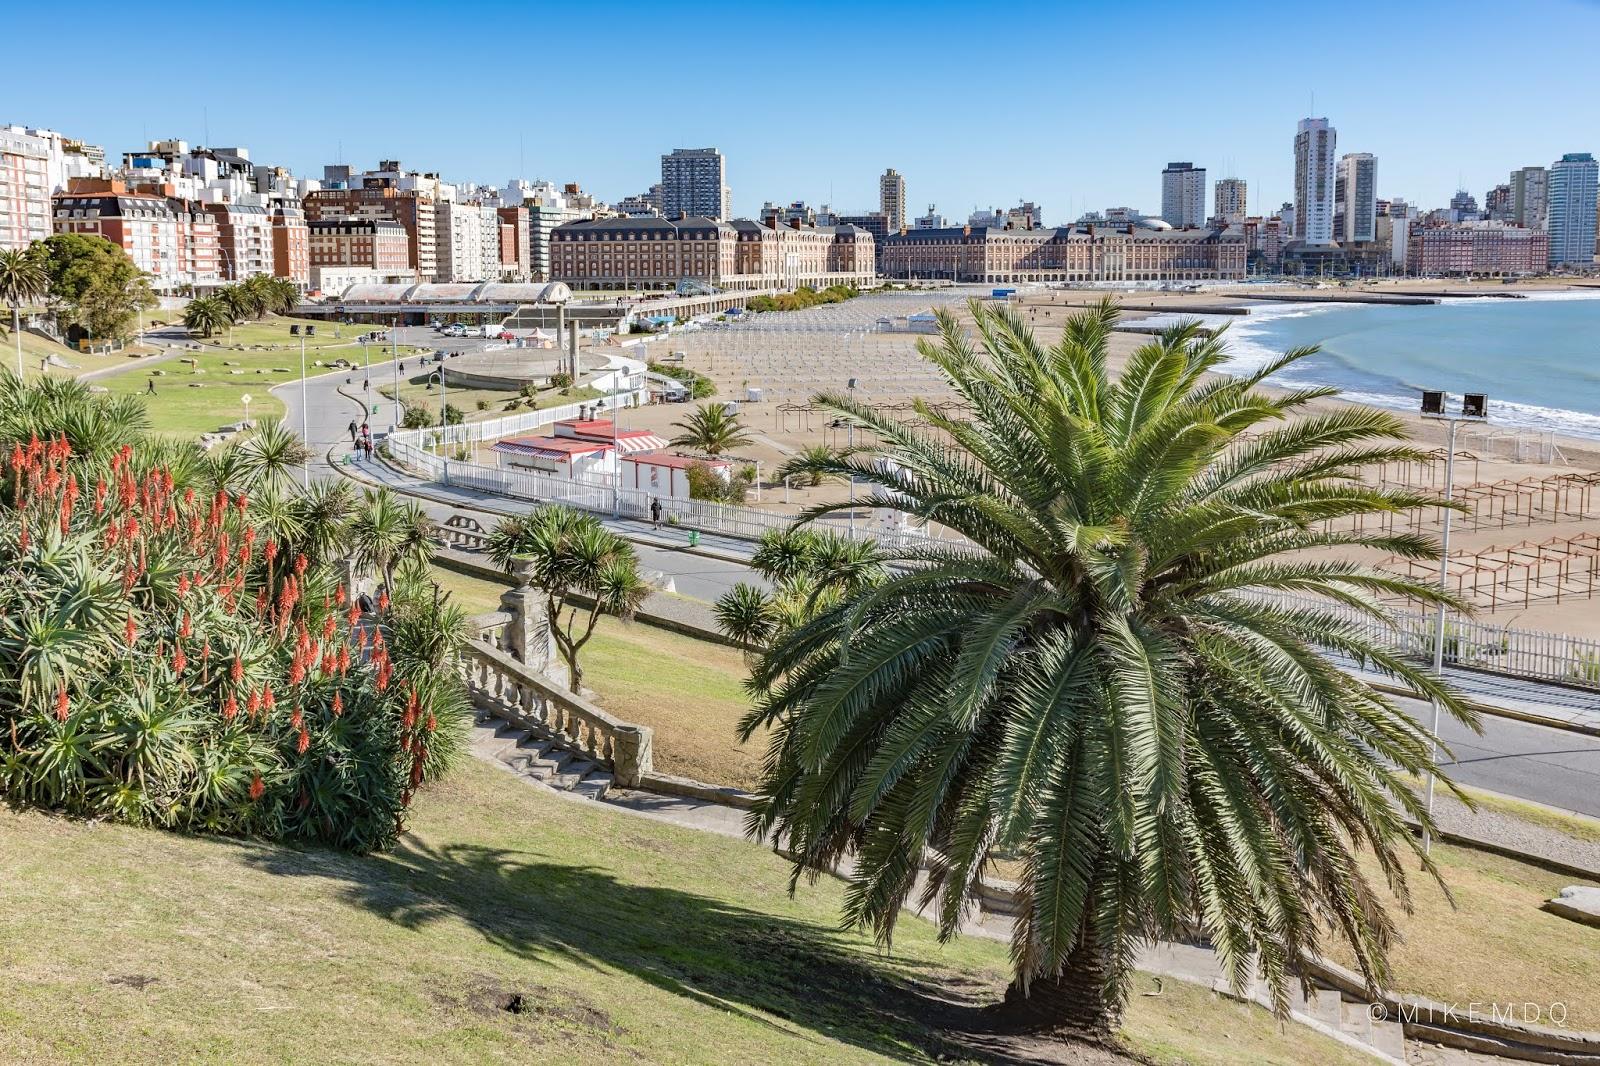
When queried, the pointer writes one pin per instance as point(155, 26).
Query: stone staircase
point(539, 758)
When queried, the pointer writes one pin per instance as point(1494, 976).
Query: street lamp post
point(305, 415)
point(850, 445)
point(1474, 408)
point(395, 341)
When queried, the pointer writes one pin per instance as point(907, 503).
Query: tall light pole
point(1474, 408)
point(394, 338)
point(850, 445)
point(305, 415)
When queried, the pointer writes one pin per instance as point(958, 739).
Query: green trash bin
point(694, 538)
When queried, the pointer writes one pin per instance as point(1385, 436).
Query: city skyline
point(1075, 148)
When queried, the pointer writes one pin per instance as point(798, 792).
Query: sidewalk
point(1536, 702)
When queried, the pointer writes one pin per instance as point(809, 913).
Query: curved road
point(1550, 766)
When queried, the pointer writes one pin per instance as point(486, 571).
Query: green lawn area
point(37, 349)
point(512, 925)
point(416, 389)
point(690, 692)
point(201, 391)
point(1496, 944)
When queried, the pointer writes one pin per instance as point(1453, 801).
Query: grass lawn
point(1495, 944)
point(416, 389)
point(690, 692)
point(201, 391)
point(510, 926)
point(37, 349)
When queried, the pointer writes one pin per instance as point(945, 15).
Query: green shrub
point(416, 416)
point(182, 655)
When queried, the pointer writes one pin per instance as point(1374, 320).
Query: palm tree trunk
point(1074, 1000)
point(16, 333)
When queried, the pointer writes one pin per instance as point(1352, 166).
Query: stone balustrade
point(523, 696)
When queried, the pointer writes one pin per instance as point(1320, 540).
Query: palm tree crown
point(1099, 684)
point(23, 279)
point(711, 429)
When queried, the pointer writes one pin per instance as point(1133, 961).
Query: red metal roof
point(560, 448)
point(675, 462)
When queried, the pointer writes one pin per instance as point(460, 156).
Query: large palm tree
point(711, 429)
point(1100, 683)
point(207, 315)
point(23, 279)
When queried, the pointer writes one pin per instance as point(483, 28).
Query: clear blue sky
point(1073, 105)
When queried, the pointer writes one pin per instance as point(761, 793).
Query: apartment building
point(393, 195)
point(1183, 195)
point(244, 239)
point(380, 245)
point(1477, 248)
point(892, 198)
point(36, 164)
point(694, 182)
point(291, 241)
point(176, 242)
point(1232, 200)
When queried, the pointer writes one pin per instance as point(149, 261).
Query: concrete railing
point(523, 696)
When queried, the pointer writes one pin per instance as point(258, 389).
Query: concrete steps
point(536, 757)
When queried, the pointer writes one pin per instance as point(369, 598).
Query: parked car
point(507, 335)
point(454, 329)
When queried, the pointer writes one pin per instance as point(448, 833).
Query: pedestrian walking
point(352, 431)
point(149, 386)
point(655, 513)
point(366, 445)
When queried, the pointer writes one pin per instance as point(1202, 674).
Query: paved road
point(1550, 766)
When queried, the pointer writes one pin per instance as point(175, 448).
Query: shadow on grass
point(754, 964)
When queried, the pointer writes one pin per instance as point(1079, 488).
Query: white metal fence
point(1471, 644)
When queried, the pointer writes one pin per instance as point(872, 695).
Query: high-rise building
point(1232, 202)
point(34, 165)
point(1314, 144)
point(391, 193)
point(1358, 196)
point(1183, 195)
point(892, 199)
point(1573, 187)
point(694, 182)
point(1463, 207)
point(1497, 204)
point(1528, 189)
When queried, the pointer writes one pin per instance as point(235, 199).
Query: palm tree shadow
point(790, 975)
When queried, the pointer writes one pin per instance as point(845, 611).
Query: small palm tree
point(389, 532)
point(1099, 682)
point(573, 559)
point(283, 296)
point(207, 315)
point(23, 279)
point(809, 464)
point(712, 430)
point(272, 455)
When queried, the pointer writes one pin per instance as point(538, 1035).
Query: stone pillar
point(633, 757)
point(528, 637)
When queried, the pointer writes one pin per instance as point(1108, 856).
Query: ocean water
point(1537, 358)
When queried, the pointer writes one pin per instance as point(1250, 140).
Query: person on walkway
point(366, 431)
point(149, 386)
point(366, 445)
point(655, 513)
point(352, 431)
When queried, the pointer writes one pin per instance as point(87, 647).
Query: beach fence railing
point(1469, 643)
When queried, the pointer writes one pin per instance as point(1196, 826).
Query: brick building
point(377, 244)
point(657, 253)
point(175, 241)
point(381, 198)
point(1477, 248)
point(291, 242)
